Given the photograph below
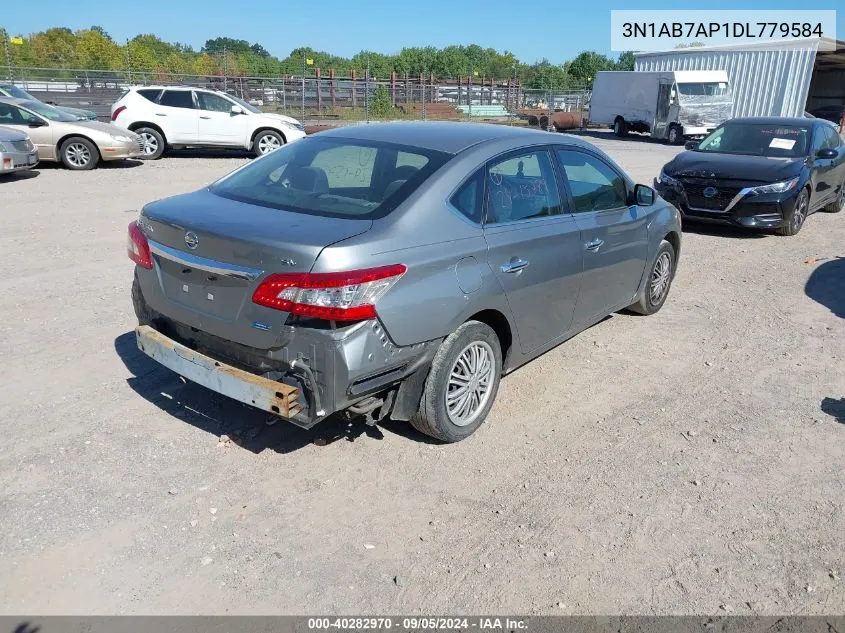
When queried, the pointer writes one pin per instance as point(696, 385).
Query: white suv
point(181, 116)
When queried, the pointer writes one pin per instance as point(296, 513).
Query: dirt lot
point(689, 462)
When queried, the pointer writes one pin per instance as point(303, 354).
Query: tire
point(796, 220)
point(154, 143)
point(837, 205)
point(79, 154)
point(266, 141)
point(662, 268)
point(674, 137)
point(620, 128)
point(433, 417)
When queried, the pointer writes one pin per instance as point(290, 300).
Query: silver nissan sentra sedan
point(395, 270)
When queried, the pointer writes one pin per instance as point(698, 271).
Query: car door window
point(150, 94)
point(468, 198)
point(831, 140)
point(213, 102)
point(594, 185)
point(177, 99)
point(12, 115)
point(520, 187)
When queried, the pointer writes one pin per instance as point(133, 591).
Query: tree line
point(95, 49)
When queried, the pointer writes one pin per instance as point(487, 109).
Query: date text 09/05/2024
point(751, 30)
point(420, 623)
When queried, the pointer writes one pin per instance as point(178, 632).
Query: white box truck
point(669, 105)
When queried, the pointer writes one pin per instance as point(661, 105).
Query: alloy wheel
point(799, 214)
point(661, 274)
point(78, 154)
point(150, 143)
point(470, 383)
point(268, 143)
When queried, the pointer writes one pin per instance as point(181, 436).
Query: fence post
point(303, 89)
point(367, 93)
point(353, 89)
point(422, 83)
point(317, 76)
point(393, 88)
point(8, 54)
point(333, 82)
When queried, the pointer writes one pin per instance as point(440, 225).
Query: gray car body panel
point(453, 266)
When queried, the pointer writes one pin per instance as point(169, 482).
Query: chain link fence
point(316, 96)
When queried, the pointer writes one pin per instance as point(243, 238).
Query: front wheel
point(656, 288)
point(266, 141)
point(798, 216)
point(462, 383)
point(79, 154)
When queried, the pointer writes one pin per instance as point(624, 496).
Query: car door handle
point(160, 114)
point(514, 266)
point(205, 117)
point(594, 245)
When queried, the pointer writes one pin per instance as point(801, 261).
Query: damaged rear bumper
point(257, 391)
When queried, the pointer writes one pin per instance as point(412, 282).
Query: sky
point(531, 30)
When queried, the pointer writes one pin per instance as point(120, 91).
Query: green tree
point(587, 63)
point(625, 61)
point(95, 49)
point(380, 105)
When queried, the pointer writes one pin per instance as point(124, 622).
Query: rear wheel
point(837, 205)
point(79, 154)
point(798, 216)
point(154, 144)
point(266, 141)
point(656, 288)
point(462, 384)
point(620, 128)
point(675, 137)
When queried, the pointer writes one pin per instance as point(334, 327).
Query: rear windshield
point(758, 139)
point(15, 92)
point(333, 177)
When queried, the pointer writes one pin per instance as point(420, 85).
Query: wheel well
point(73, 135)
point(675, 240)
point(272, 129)
point(499, 323)
point(140, 124)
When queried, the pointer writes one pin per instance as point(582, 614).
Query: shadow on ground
point(246, 426)
point(18, 175)
point(827, 286)
point(835, 407)
point(723, 230)
point(606, 135)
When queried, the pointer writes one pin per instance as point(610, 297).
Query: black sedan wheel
point(837, 205)
point(799, 214)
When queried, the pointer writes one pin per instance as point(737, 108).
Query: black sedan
point(759, 172)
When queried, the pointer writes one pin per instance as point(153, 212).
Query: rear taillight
point(117, 112)
point(138, 248)
point(346, 296)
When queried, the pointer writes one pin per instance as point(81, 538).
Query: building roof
point(809, 42)
point(442, 136)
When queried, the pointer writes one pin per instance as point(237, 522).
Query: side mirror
point(37, 123)
point(236, 109)
point(644, 195)
point(691, 145)
point(826, 152)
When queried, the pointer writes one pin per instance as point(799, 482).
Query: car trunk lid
point(211, 253)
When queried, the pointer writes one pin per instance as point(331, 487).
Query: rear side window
point(520, 187)
point(177, 99)
point(595, 186)
point(468, 199)
point(332, 177)
point(150, 94)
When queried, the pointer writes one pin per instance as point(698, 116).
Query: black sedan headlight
point(665, 179)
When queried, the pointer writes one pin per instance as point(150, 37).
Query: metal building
point(784, 79)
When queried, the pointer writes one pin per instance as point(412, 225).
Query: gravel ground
point(689, 462)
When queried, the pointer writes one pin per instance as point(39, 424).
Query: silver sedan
point(17, 152)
